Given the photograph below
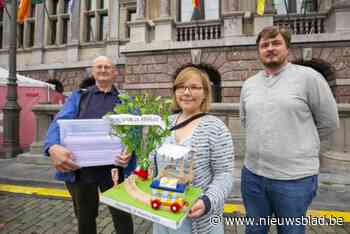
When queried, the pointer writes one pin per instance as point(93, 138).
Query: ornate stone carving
point(196, 56)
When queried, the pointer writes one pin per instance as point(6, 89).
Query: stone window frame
point(26, 31)
point(58, 15)
point(294, 9)
point(129, 12)
point(98, 11)
point(126, 6)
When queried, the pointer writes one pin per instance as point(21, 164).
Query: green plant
point(141, 139)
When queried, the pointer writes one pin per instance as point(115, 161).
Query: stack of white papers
point(90, 141)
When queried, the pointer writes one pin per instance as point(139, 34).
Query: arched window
point(199, 10)
point(215, 80)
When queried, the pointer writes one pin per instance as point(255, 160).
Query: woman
point(213, 147)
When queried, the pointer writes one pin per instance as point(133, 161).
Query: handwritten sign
point(128, 119)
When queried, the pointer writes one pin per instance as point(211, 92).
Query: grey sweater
point(285, 116)
point(212, 167)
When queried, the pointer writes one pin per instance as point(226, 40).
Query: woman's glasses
point(192, 89)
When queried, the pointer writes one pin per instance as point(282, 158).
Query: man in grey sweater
point(286, 109)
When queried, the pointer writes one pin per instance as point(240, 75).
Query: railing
point(302, 24)
point(199, 30)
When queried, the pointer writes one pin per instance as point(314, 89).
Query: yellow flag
point(23, 10)
point(260, 7)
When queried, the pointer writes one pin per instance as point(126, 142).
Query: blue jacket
point(70, 111)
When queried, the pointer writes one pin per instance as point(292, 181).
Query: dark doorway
point(319, 65)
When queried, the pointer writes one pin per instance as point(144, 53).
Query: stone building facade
point(151, 41)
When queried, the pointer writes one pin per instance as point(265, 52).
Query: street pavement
point(35, 213)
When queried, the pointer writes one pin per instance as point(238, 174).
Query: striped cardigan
point(212, 167)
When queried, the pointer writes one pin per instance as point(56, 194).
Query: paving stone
point(35, 215)
point(346, 226)
point(240, 229)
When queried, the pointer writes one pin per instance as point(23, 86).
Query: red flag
point(196, 3)
point(23, 10)
point(2, 4)
point(198, 9)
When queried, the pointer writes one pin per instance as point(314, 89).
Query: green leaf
point(132, 136)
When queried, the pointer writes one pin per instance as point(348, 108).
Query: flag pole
point(12, 109)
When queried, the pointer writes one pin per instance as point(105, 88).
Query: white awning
point(22, 80)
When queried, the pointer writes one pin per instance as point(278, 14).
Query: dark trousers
point(86, 200)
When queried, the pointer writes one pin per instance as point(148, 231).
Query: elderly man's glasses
point(105, 67)
point(192, 89)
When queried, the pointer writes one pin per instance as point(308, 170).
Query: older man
point(286, 109)
point(83, 183)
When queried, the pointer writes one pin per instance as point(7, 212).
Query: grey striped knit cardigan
point(212, 167)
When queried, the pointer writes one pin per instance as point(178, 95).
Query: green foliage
point(142, 139)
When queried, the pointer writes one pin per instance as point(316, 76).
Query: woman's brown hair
point(186, 74)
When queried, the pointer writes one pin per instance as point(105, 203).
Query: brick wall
point(154, 72)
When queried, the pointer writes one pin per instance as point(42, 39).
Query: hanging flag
point(198, 9)
point(2, 4)
point(37, 1)
point(23, 10)
point(71, 6)
point(260, 7)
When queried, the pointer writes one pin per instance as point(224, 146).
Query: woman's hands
point(123, 158)
point(197, 209)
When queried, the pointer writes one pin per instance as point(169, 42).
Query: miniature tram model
point(168, 189)
point(168, 192)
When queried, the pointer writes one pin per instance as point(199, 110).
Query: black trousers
point(86, 200)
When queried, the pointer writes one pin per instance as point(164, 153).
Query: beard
point(273, 62)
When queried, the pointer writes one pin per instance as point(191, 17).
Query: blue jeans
point(264, 197)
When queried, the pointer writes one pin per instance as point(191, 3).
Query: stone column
point(140, 9)
point(164, 8)
point(233, 24)
point(37, 51)
point(139, 29)
point(164, 25)
point(113, 36)
point(339, 16)
point(334, 155)
point(247, 5)
point(44, 114)
point(74, 34)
